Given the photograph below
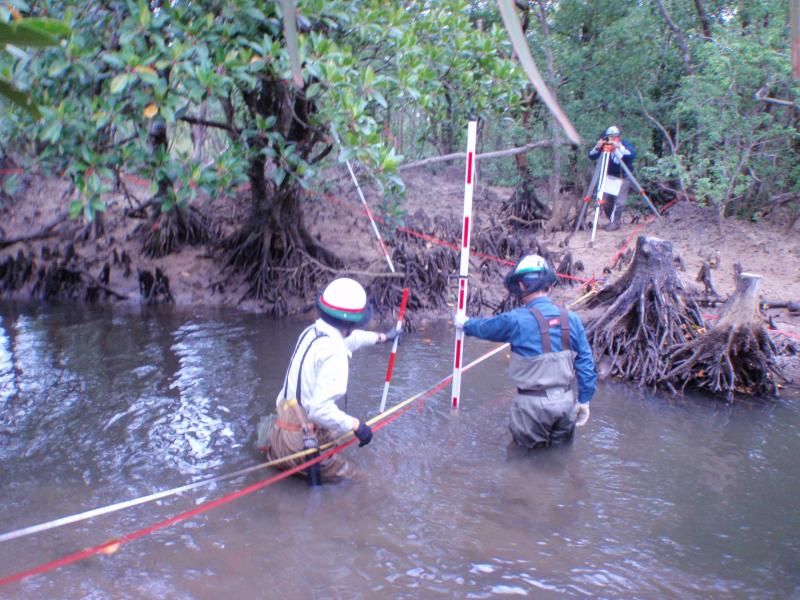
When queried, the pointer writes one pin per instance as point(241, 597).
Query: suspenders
point(544, 328)
point(298, 392)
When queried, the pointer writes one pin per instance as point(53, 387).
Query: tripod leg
point(587, 195)
point(594, 222)
point(638, 187)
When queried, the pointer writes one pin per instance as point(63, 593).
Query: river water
point(657, 498)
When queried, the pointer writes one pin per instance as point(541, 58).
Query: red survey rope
point(111, 546)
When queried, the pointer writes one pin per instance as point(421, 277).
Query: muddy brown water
point(657, 497)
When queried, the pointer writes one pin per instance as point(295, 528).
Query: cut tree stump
point(736, 355)
point(644, 314)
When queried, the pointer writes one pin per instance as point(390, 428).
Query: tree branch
point(321, 155)
point(216, 124)
point(761, 95)
point(485, 155)
point(93, 281)
point(347, 271)
point(122, 142)
point(672, 146)
point(704, 21)
point(680, 36)
point(45, 232)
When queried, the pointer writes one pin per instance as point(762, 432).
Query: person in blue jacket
point(551, 360)
point(613, 205)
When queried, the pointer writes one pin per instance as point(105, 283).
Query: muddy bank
point(47, 256)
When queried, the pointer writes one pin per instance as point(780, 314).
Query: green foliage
point(16, 34)
point(125, 64)
point(740, 147)
point(418, 68)
point(621, 63)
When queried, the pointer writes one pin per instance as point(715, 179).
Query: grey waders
point(544, 409)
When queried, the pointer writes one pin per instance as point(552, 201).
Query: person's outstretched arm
point(584, 362)
point(495, 329)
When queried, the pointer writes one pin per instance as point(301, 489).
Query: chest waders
point(544, 409)
point(295, 405)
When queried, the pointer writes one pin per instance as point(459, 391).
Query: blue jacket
point(520, 329)
point(613, 165)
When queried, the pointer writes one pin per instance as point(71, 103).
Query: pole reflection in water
point(657, 497)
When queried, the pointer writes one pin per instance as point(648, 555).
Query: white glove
point(459, 320)
point(583, 415)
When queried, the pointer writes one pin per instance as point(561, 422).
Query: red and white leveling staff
point(463, 272)
point(392, 356)
point(403, 302)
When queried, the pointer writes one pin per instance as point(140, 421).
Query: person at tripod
point(616, 179)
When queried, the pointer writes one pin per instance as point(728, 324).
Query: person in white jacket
point(307, 413)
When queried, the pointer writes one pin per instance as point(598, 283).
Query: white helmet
point(613, 130)
point(344, 300)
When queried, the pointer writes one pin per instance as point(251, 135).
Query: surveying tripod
point(598, 184)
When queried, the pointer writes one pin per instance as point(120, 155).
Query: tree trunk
point(274, 252)
point(198, 135)
point(704, 20)
point(166, 232)
point(642, 315)
point(559, 208)
point(737, 355)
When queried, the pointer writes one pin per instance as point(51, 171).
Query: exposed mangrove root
point(124, 260)
point(523, 209)
point(60, 278)
point(641, 316)
point(704, 277)
point(99, 286)
point(428, 271)
point(736, 355)
point(154, 287)
point(279, 264)
point(16, 271)
point(170, 230)
point(431, 270)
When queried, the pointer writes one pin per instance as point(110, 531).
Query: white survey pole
point(399, 325)
point(463, 272)
point(366, 206)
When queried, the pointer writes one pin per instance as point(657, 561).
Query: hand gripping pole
point(463, 273)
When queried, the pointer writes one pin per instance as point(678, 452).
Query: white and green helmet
point(345, 300)
point(533, 272)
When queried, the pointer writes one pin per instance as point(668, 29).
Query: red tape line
point(75, 557)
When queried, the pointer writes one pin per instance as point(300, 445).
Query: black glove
point(363, 433)
point(391, 334)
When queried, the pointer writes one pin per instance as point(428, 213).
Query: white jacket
point(324, 377)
